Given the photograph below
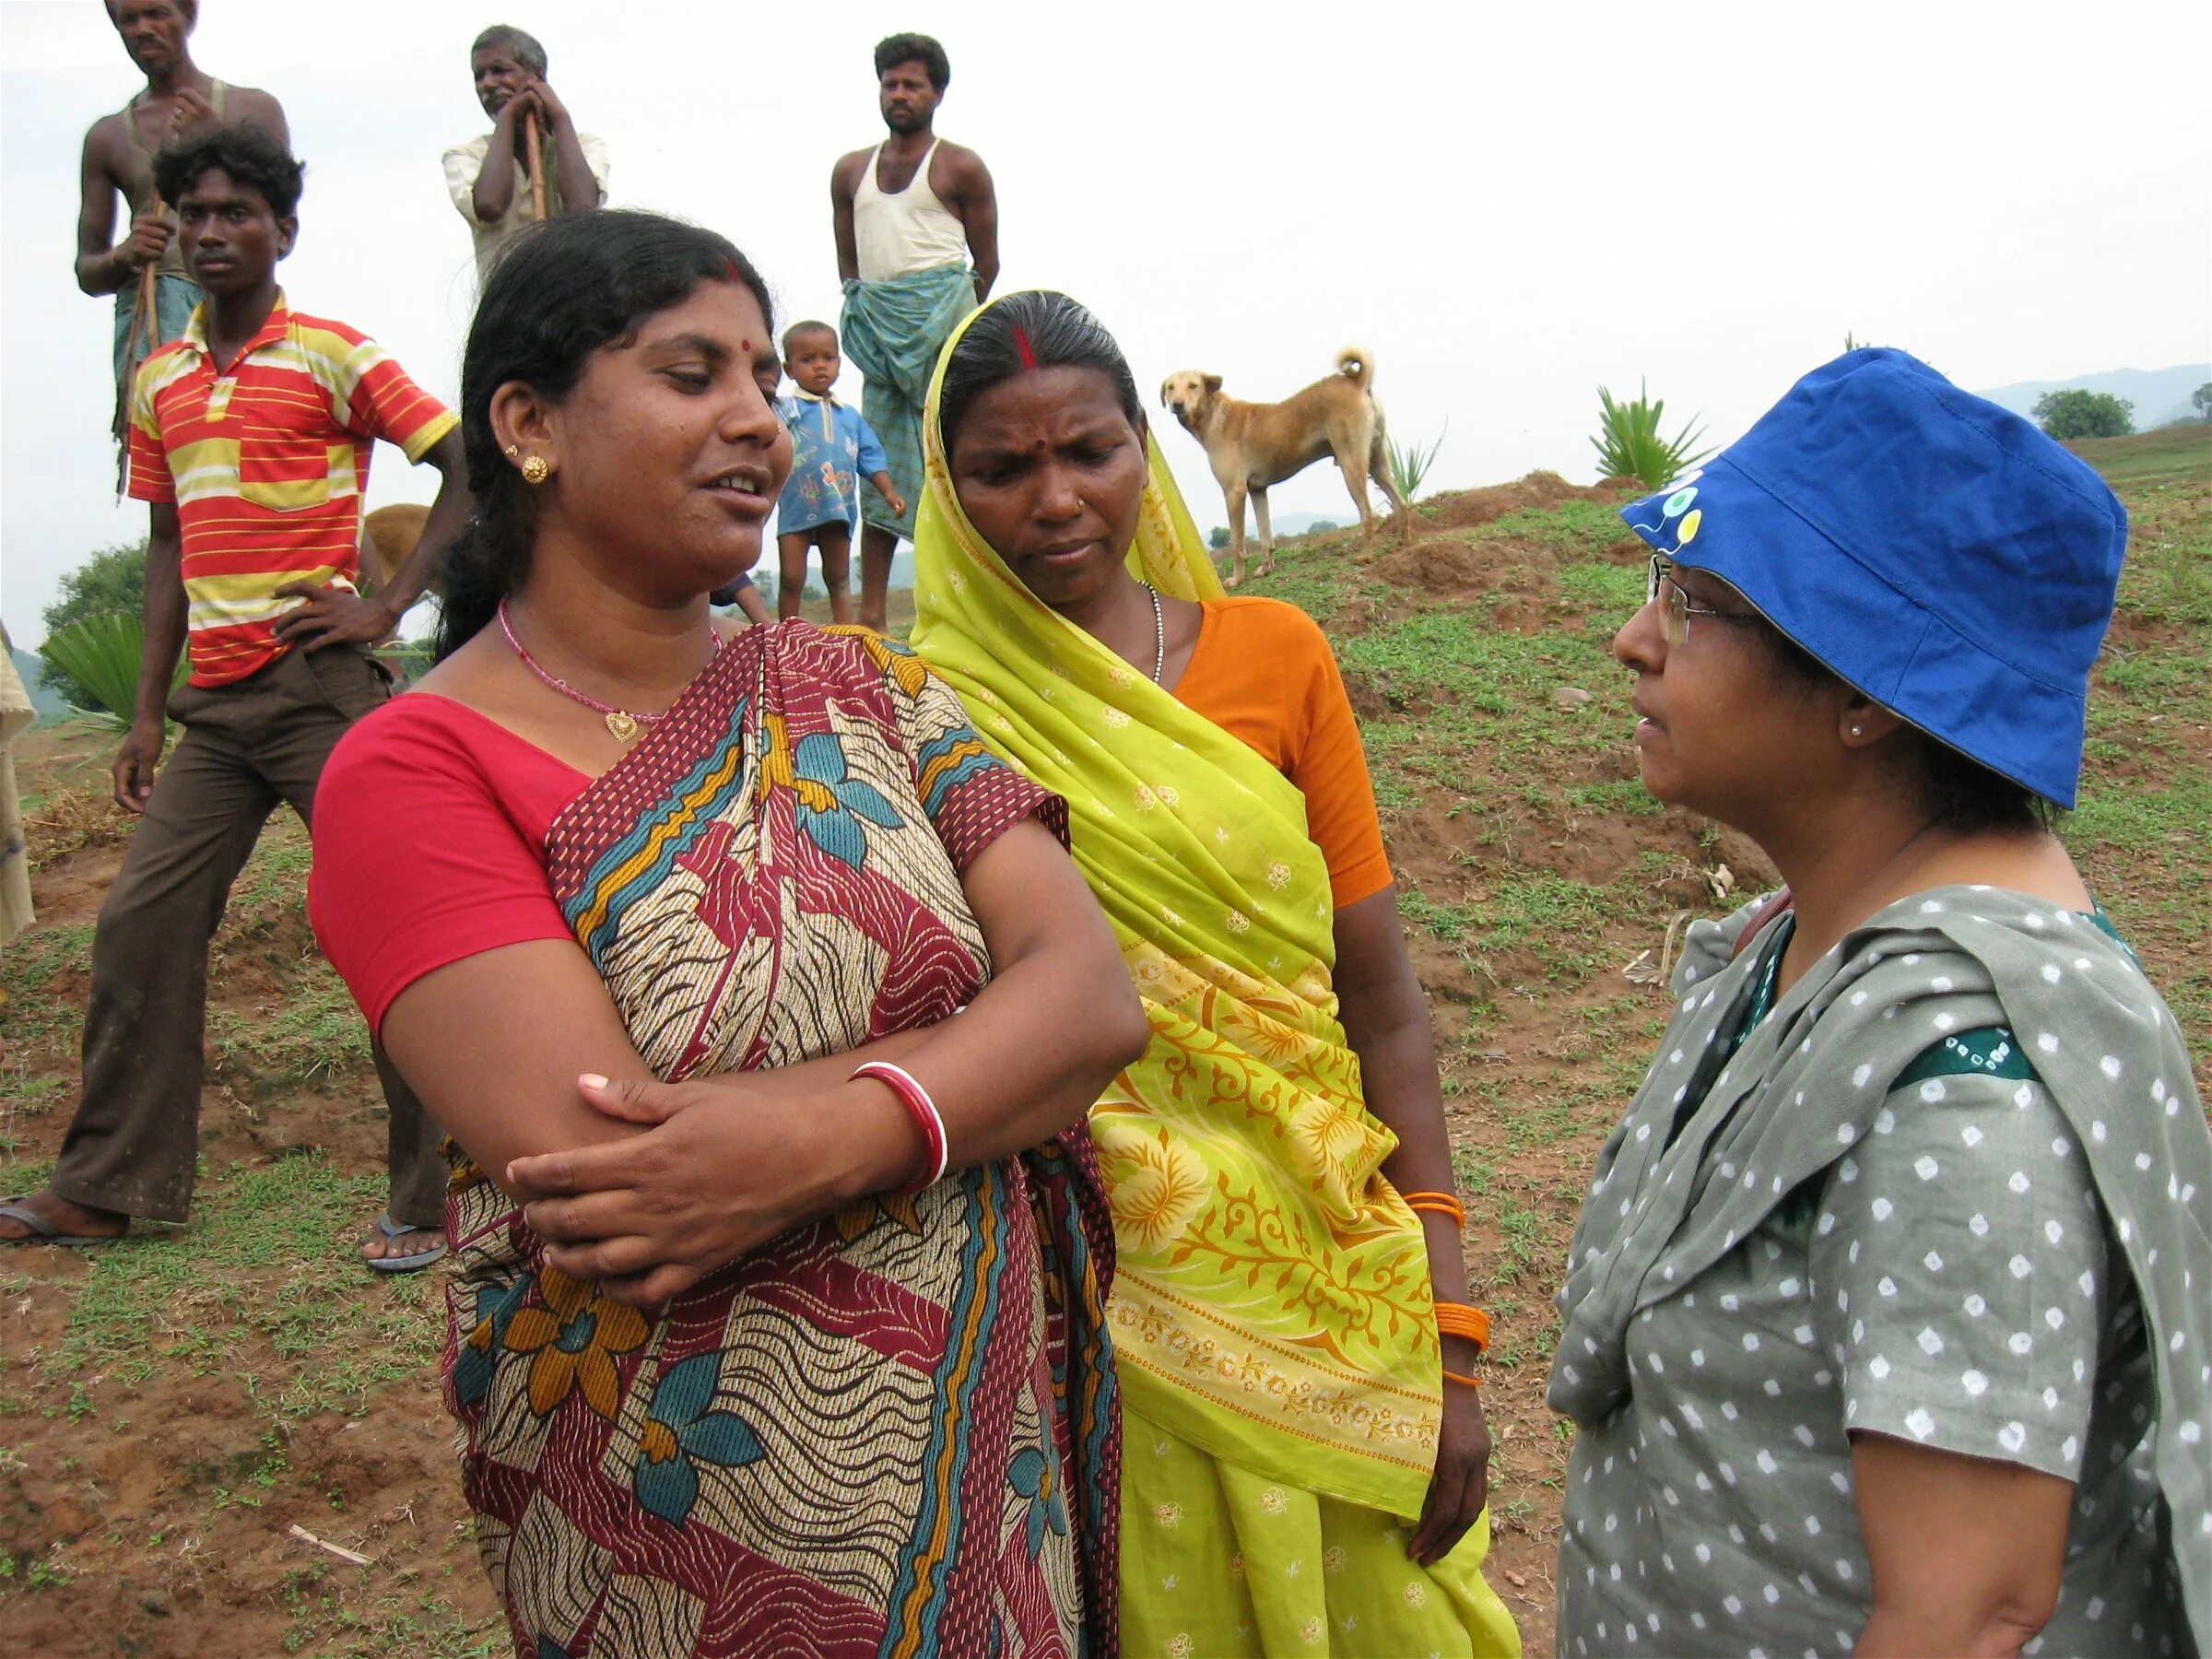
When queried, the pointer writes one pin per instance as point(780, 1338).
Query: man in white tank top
point(912, 216)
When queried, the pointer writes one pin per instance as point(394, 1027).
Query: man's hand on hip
point(332, 616)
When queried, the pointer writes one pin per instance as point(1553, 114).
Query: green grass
point(1588, 525)
point(267, 1270)
point(1614, 593)
point(2169, 457)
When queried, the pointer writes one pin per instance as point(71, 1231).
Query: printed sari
point(893, 1432)
point(1271, 1312)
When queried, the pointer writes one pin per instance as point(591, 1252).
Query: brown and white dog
point(1250, 446)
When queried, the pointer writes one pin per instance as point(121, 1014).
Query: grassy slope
point(169, 1409)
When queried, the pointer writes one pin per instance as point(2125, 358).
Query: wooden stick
point(149, 298)
point(342, 1554)
point(538, 164)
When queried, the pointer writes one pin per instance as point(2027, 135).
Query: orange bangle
point(1457, 1319)
point(1451, 1376)
point(1437, 1204)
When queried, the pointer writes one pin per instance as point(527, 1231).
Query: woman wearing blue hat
point(1889, 1322)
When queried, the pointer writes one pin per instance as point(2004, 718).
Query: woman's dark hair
point(1035, 329)
point(1956, 791)
point(560, 292)
point(249, 155)
point(895, 50)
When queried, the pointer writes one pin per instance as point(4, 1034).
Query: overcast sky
point(1507, 205)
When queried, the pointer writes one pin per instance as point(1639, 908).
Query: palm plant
point(1629, 444)
point(101, 654)
point(1409, 464)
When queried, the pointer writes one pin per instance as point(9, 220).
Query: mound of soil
point(1467, 508)
point(1434, 566)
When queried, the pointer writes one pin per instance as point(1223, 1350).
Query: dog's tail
point(1356, 364)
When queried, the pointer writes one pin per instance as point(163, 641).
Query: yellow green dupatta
point(1271, 1304)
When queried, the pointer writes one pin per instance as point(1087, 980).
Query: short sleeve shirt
point(267, 463)
point(1951, 1283)
point(463, 162)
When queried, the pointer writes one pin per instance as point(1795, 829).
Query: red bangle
point(1451, 1376)
point(921, 1108)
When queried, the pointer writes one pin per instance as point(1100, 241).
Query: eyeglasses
point(1678, 606)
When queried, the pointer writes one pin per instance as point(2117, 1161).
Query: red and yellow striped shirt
point(268, 464)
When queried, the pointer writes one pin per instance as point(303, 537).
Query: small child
point(768, 374)
point(832, 448)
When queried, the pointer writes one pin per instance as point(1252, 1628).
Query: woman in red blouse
point(737, 968)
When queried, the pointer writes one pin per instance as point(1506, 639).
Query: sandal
point(44, 1231)
point(393, 1233)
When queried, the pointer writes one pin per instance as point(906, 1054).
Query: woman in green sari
point(1305, 1463)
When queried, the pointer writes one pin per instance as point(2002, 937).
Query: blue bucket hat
point(1938, 553)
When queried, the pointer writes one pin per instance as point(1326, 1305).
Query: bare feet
point(62, 1219)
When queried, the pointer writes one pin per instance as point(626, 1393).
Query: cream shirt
point(463, 162)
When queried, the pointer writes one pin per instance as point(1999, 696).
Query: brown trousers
point(133, 1146)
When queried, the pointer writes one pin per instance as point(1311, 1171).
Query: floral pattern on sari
point(863, 1437)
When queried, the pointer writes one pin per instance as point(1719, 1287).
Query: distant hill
point(2159, 395)
point(33, 669)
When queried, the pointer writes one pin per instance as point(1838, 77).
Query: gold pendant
point(624, 726)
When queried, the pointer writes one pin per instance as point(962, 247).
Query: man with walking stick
point(154, 294)
point(534, 162)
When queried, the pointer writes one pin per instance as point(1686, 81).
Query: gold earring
point(537, 470)
point(513, 450)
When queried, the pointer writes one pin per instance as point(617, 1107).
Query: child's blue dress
point(832, 449)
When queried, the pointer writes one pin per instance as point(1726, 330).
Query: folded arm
point(497, 1045)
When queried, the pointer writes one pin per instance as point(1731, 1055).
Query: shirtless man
point(910, 216)
point(119, 161)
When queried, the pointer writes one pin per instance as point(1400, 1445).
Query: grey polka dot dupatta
point(1807, 1084)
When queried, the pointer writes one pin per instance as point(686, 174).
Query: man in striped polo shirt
point(250, 441)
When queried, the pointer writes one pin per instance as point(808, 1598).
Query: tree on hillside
point(2077, 414)
point(110, 582)
point(2200, 401)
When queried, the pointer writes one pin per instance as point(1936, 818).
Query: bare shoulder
point(845, 178)
point(962, 165)
point(252, 104)
point(102, 137)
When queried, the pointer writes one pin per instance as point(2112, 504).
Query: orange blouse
point(1263, 671)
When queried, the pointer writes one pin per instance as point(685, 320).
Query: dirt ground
point(205, 1432)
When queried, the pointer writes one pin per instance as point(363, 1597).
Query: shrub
point(2077, 414)
point(100, 654)
point(110, 582)
point(1409, 464)
point(1218, 538)
point(1629, 444)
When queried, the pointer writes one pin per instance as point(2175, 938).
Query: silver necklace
point(1159, 633)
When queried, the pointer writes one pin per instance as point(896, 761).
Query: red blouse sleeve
point(430, 846)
